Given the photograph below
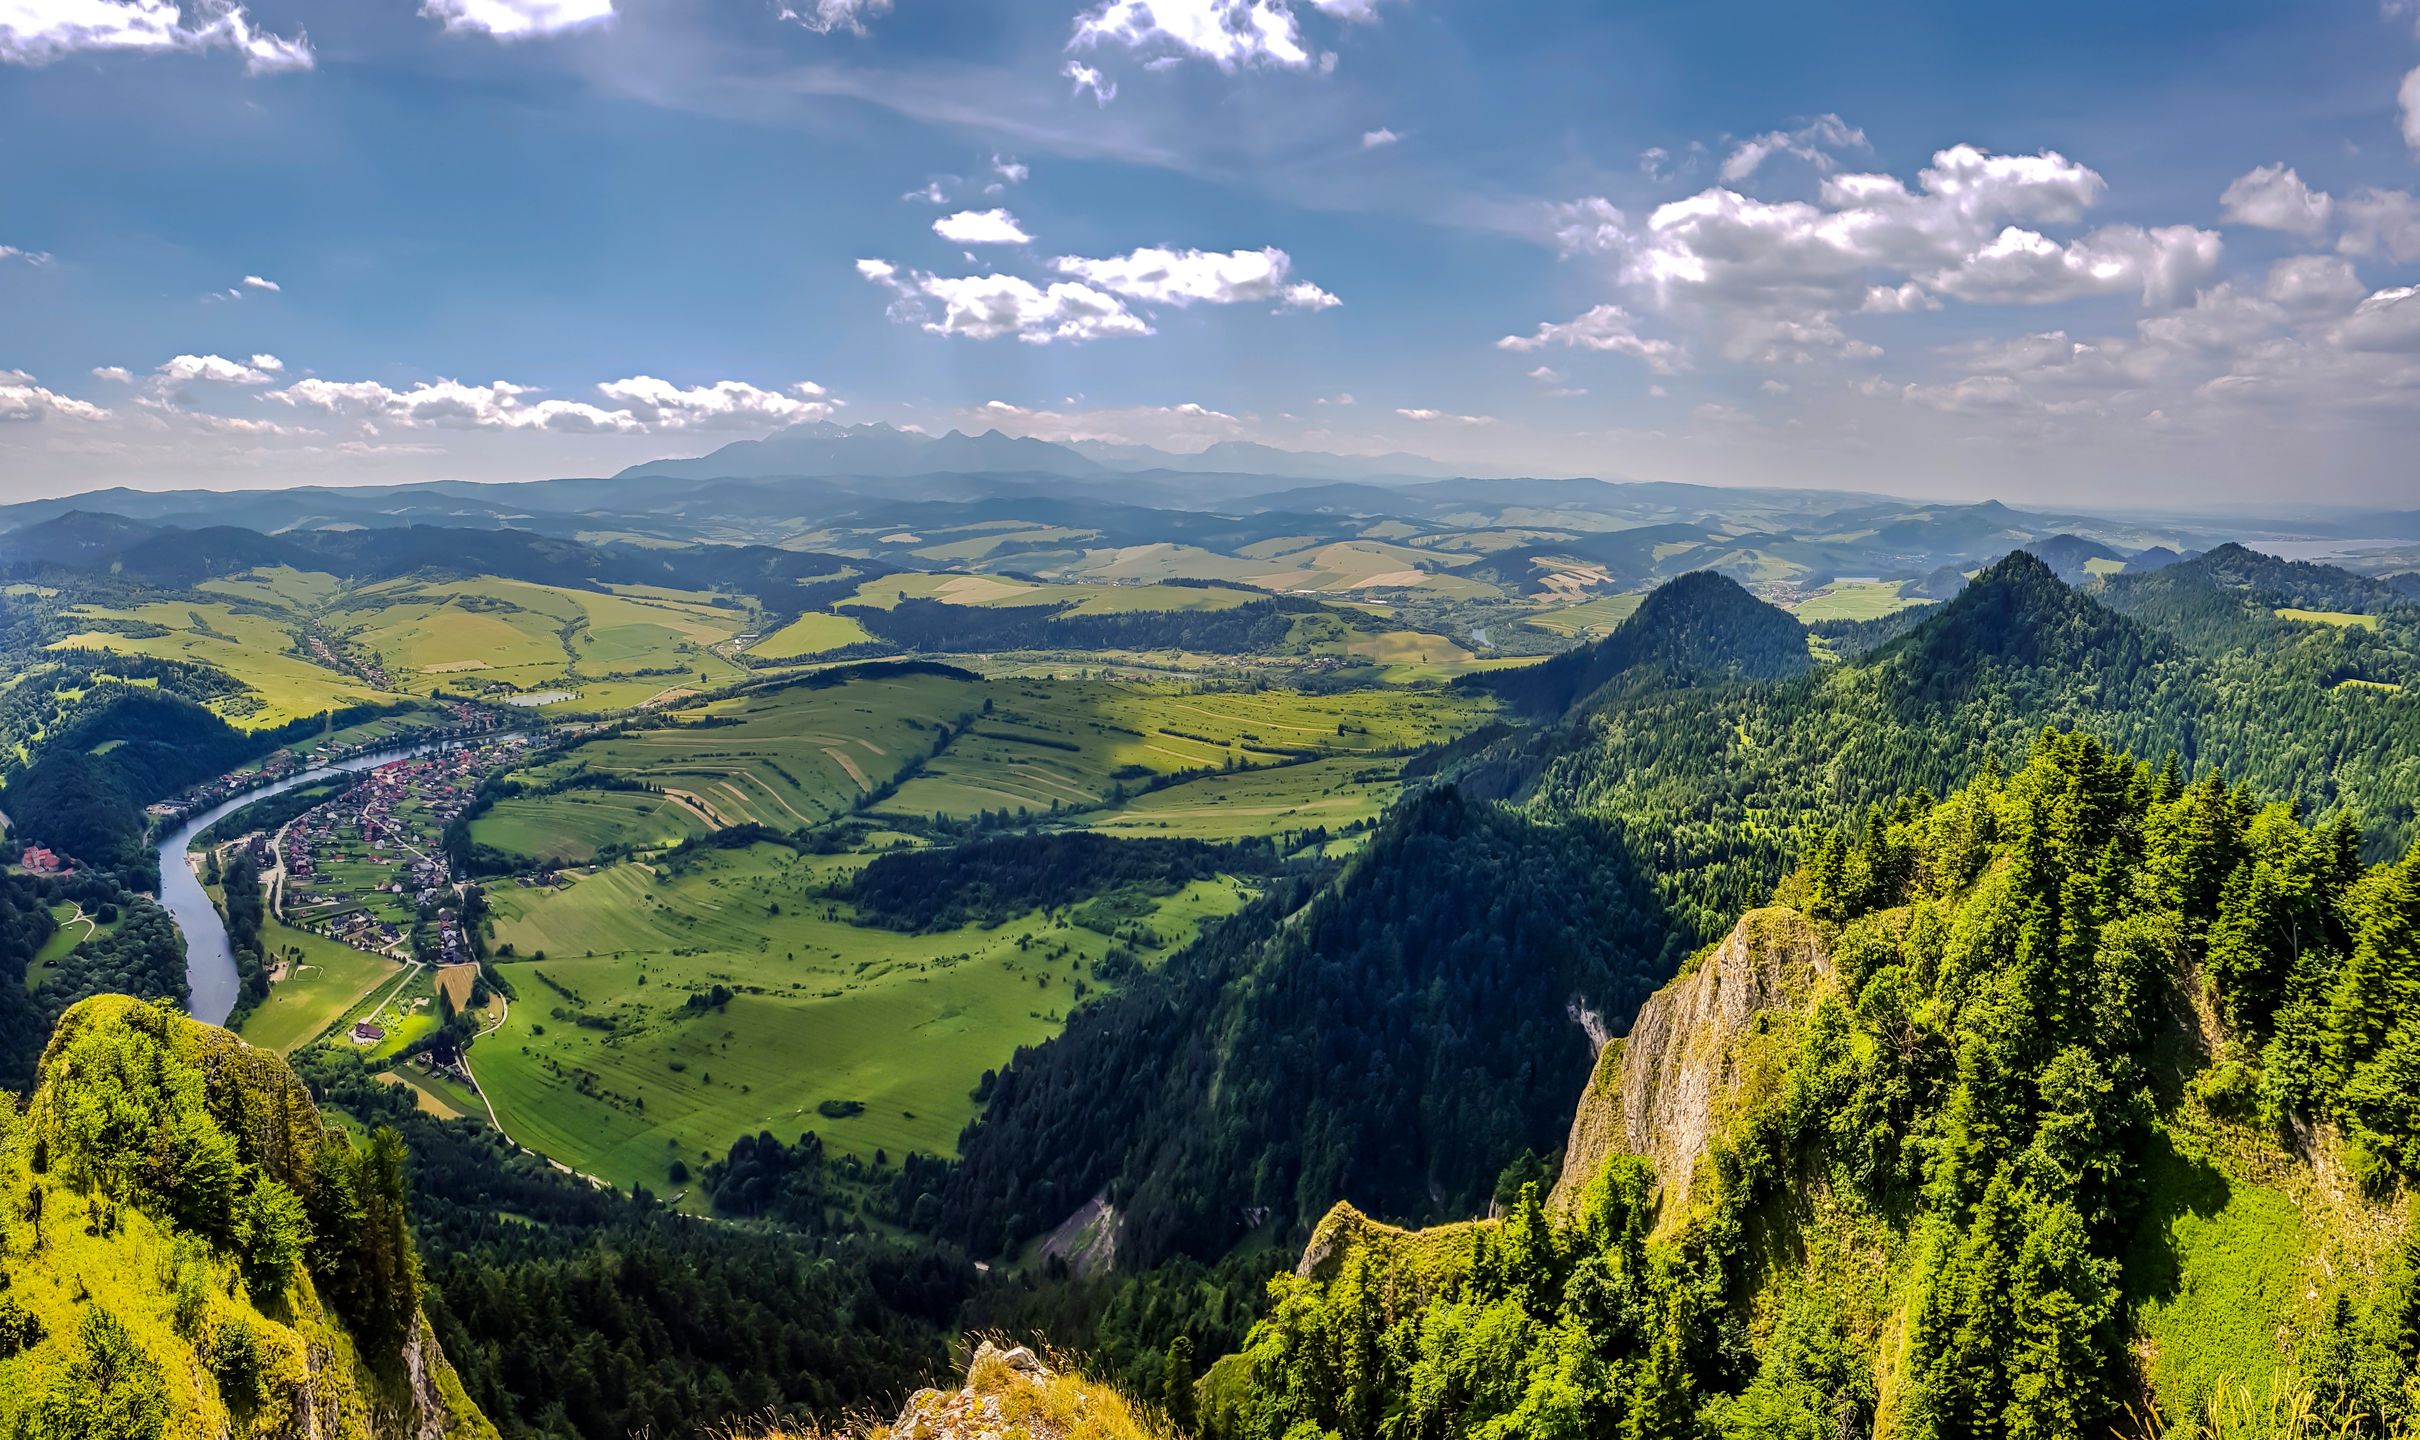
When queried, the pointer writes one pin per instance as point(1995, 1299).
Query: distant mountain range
point(822, 448)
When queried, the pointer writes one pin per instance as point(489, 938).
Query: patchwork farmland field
point(800, 755)
point(786, 758)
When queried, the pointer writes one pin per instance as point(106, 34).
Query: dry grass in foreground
point(1010, 1394)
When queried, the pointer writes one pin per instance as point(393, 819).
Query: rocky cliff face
point(1703, 1046)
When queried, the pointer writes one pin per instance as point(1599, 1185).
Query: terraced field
point(1077, 744)
point(785, 758)
point(570, 828)
point(1589, 618)
point(800, 755)
point(605, 1064)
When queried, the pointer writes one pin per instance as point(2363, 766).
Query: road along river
point(209, 958)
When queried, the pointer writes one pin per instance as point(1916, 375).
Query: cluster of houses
point(463, 720)
point(42, 860)
point(395, 821)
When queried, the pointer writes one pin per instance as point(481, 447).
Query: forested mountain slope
point(1288, 1063)
point(189, 1252)
point(2041, 1113)
point(1398, 1036)
point(1717, 786)
point(1702, 624)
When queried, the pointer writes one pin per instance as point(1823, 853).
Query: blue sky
point(2151, 253)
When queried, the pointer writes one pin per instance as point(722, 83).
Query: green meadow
point(74, 929)
point(605, 1064)
point(1321, 793)
point(257, 650)
point(471, 635)
point(810, 635)
point(570, 828)
point(324, 982)
point(1854, 600)
point(2341, 619)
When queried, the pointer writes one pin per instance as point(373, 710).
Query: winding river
point(209, 958)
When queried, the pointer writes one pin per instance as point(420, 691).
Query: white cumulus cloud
point(2388, 320)
point(219, 370)
point(1160, 276)
point(993, 307)
point(2381, 222)
point(254, 282)
point(1605, 328)
point(36, 32)
point(2409, 98)
point(21, 400)
point(517, 19)
point(2313, 283)
point(1231, 34)
point(2273, 197)
point(981, 227)
point(1427, 416)
point(723, 405)
point(1374, 139)
point(636, 405)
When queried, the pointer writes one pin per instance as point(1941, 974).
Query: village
point(463, 720)
point(368, 869)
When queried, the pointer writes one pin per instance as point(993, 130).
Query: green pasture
point(1854, 600)
point(324, 982)
point(1331, 793)
point(74, 929)
point(814, 633)
point(2341, 619)
point(469, 635)
point(604, 1066)
point(571, 827)
point(256, 650)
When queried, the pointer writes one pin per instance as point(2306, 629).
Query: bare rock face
point(1714, 1037)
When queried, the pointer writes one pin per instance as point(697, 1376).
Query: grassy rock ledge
point(187, 1251)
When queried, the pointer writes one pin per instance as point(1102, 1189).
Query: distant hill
point(1701, 624)
point(2069, 556)
point(822, 448)
point(85, 543)
point(2232, 598)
